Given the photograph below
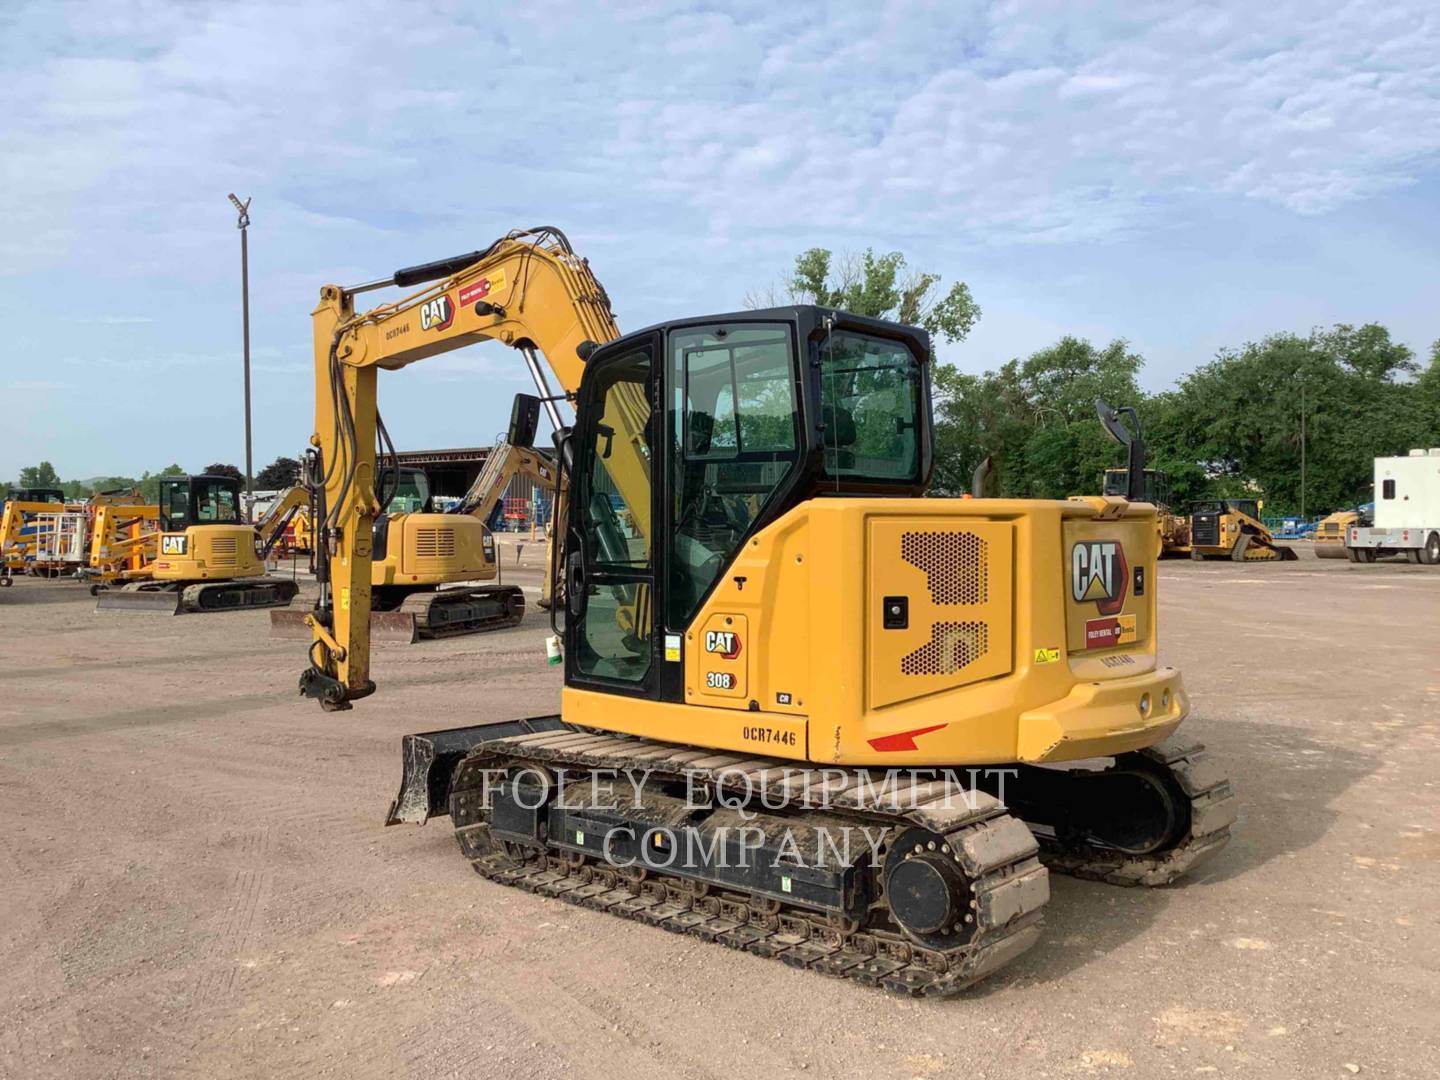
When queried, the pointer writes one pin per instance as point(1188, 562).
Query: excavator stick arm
point(528, 290)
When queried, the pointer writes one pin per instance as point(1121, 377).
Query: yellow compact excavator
point(208, 559)
point(807, 712)
point(419, 558)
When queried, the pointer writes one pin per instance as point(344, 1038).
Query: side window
point(225, 508)
point(870, 404)
point(612, 638)
point(215, 505)
point(177, 506)
point(735, 430)
point(1387, 489)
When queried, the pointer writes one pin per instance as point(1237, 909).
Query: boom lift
point(20, 526)
point(124, 541)
point(209, 560)
point(760, 606)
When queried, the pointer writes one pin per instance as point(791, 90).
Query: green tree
point(225, 470)
point(881, 287)
point(280, 473)
point(150, 482)
point(1035, 419)
point(1344, 395)
point(39, 476)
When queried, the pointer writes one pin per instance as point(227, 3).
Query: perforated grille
point(954, 564)
point(952, 646)
point(432, 543)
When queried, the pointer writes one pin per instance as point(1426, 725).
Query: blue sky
point(1182, 176)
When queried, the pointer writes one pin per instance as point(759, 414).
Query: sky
point(1184, 176)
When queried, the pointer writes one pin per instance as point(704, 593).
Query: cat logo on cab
point(724, 642)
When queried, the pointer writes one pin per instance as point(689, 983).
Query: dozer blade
point(431, 758)
point(154, 601)
point(393, 626)
point(397, 626)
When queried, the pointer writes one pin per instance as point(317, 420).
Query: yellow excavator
point(420, 558)
point(807, 712)
point(207, 558)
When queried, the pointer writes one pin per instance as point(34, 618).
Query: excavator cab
point(1156, 491)
point(198, 500)
point(692, 437)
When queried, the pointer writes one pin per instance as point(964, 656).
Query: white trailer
point(1407, 511)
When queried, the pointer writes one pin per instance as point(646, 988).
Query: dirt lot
point(194, 880)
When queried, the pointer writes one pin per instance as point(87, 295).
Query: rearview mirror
point(1128, 437)
point(524, 420)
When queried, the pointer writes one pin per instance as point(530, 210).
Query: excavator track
point(464, 610)
point(1177, 775)
point(921, 832)
point(241, 594)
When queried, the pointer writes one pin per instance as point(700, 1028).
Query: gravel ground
point(194, 880)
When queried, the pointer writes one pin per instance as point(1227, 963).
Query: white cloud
point(1006, 122)
point(681, 146)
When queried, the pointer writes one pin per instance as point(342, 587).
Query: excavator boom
point(528, 290)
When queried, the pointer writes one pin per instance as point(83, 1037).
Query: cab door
point(610, 544)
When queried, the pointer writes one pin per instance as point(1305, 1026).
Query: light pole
point(243, 224)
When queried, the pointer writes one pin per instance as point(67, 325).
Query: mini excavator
point(761, 606)
point(207, 559)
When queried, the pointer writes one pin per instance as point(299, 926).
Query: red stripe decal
point(903, 740)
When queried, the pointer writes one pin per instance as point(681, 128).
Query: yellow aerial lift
point(1232, 529)
point(19, 526)
point(208, 559)
point(124, 538)
point(761, 608)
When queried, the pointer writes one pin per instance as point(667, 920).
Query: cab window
point(176, 508)
point(870, 392)
point(735, 429)
point(215, 504)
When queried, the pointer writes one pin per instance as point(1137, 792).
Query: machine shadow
point(1287, 783)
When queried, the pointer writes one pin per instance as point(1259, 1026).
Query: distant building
point(452, 471)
